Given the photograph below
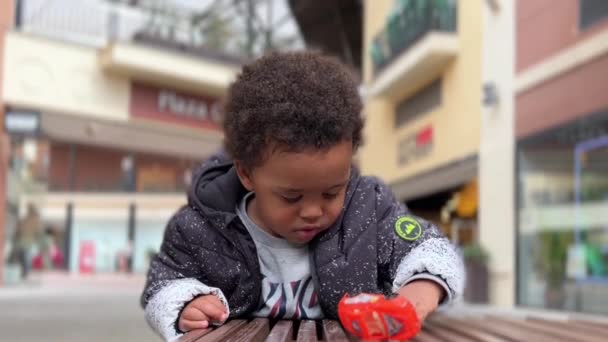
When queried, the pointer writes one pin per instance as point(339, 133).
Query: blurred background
point(489, 117)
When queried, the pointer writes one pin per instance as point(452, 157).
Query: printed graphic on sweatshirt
point(408, 228)
point(290, 300)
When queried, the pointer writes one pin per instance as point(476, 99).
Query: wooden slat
point(556, 331)
point(462, 328)
point(194, 335)
point(281, 332)
point(506, 331)
point(332, 331)
point(425, 336)
point(444, 334)
point(255, 331)
point(221, 333)
point(591, 323)
point(596, 328)
point(307, 332)
point(561, 324)
point(588, 332)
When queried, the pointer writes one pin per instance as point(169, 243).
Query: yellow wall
point(456, 123)
point(45, 74)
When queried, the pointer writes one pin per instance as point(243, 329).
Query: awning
point(137, 136)
point(448, 176)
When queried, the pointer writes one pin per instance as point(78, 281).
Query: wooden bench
point(260, 329)
point(438, 328)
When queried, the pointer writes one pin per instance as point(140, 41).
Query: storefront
point(562, 241)
point(103, 158)
point(561, 129)
point(105, 200)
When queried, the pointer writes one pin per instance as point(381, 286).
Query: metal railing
point(409, 21)
point(214, 29)
point(87, 22)
point(99, 22)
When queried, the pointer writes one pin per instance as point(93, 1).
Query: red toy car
point(375, 317)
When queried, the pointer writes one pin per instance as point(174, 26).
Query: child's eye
point(291, 199)
point(330, 196)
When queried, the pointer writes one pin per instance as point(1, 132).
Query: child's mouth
point(307, 234)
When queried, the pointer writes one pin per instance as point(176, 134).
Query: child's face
point(298, 195)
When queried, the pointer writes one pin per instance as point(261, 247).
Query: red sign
point(86, 258)
point(172, 106)
point(424, 137)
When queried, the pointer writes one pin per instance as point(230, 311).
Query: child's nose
point(311, 212)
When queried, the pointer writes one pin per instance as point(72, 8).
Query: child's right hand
point(201, 312)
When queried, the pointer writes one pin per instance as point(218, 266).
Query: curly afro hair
point(291, 101)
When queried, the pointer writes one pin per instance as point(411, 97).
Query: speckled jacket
point(207, 250)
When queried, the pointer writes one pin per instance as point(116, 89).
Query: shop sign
point(415, 146)
point(172, 106)
point(22, 122)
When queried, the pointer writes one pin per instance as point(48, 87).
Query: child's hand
point(425, 295)
point(201, 312)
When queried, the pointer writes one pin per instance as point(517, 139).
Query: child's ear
point(244, 175)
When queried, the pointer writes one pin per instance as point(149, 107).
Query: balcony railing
point(90, 23)
point(97, 23)
point(195, 27)
point(409, 21)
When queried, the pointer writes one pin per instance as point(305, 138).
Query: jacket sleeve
point(411, 248)
point(172, 281)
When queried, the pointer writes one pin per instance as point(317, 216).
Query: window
point(562, 240)
point(592, 12)
point(422, 102)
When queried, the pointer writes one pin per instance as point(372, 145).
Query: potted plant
point(476, 263)
point(551, 259)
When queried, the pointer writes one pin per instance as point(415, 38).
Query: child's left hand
point(424, 294)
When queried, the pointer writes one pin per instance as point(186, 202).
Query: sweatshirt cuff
point(164, 308)
point(447, 299)
point(435, 257)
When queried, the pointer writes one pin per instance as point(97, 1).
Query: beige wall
point(456, 123)
point(60, 77)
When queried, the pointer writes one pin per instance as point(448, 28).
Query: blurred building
point(489, 117)
point(6, 23)
point(107, 119)
point(561, 128)
point(420, 63)
point(422, 89)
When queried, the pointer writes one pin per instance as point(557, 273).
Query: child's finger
point(214, 312)
point(186, 325)
point(216, 302)
point(194, 314)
